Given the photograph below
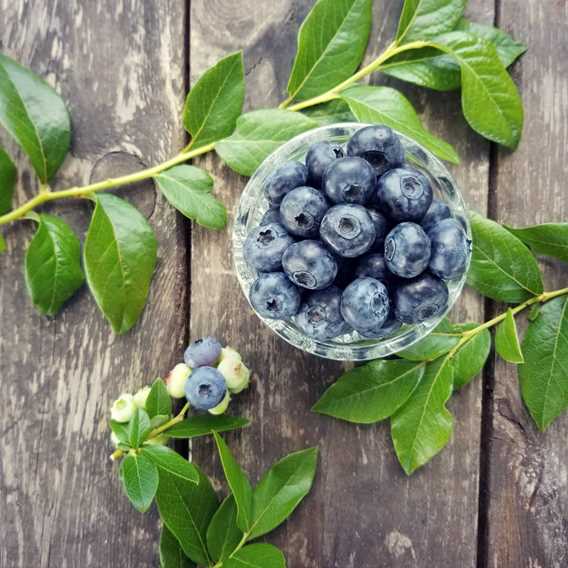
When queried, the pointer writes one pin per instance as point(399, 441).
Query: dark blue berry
point(205, 388)
point(404, 194)
point(310, 265)
point(302, 210)
point(284, 179)
point(348, 230)
point(450, 249)
point(407, 250)
point(265, 245)
point(420, 299)
point(437, 212)
point(271, 216)
point(320, 315)
point(382, 227)
point(373, 265)
point(204, 351)
point(349, 180)
point(379, 145)
point(319, 157)
point(365, 304)
point(273, 296)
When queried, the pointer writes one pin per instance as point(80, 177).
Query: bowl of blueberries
point(351, 241)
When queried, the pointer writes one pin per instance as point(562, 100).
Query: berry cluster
point(354, 240)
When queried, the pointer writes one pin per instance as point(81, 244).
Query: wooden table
point(496, 497)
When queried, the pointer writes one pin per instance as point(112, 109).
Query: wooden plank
point(121, 66)
point(363, 511)
point(528, 476)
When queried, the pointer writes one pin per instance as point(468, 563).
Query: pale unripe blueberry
point(236, 374)
point(221, 408)
point(160, 440)
point(141, 396)
point(123, 408)
point(229, 353)
point(176, 379)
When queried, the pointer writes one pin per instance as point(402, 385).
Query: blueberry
point(302, 210)
point(271, 216)
point(202, 352)
point(265, 245)
point(379, 145)
point(319, 157)
point(365, 304)
point(349, 180)
point(320, 315)
point(373, 265)
point(273, 296)
point(348, 230)
point(437, 212)
point(382, 227)
point(420, 299)
point(407, 250)
point(205, 388)
point(345, 272)
point(310, 265)
point(284, 179)
point(450, 249)
point(388, 328)
point(404, 194)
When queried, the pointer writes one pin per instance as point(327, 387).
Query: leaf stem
point(237, 548)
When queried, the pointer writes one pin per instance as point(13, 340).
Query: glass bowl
point(253, 204)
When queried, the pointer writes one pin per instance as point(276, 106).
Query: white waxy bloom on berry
point(141, 396)
point(123, 408)
point(236, 374)
point(176, 379)
point(221, 408)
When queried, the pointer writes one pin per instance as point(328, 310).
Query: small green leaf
point(534, 312)
point(35, 116)
point(223, 534)
point(470, 358)
point(507, 340)
point(53, 265)
point(138, 428)
point(371, 392)
point(140, 480)
point(331, 112)
point(120, 430)
point(437, 343)
point(281, 489)
point(203, 425)
point(424, 19)
point(188, 189)
point(119, 257)
point(502, 268)
point(260, 555)
point(8, 175)
point(158, 420)
point(331, 44)
point(238, 482)
point(423, 426)
point(158, 402)
point(258, 134)
point(186, 509)
point(215, 102)
point(388, 106)
point(543, 376)
point(550, 239)
point(171, 553)
point(167, 460)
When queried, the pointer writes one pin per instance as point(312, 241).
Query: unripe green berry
point(221, 408)
point(229, 353)
point(236, 374)
point(123, 408)
point(141, 396)
point(176, 379)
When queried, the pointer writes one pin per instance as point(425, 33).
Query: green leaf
point(8, 175)
point(203, 425)
point(331, 112)
point(53, 265)
point(120, 430)
point(167, 460)
point(470, 358)
point(550, 239)
point(35, 116)
point(502, 268)
point(534, 312)
point(281, 489)
point(490, 100)
point(423, 426)
point(215, 102)
point(424, 19)
point(188, 189)
point(507, 340)
point(171, 553)
point(437, 343)
point(388, 106)
point(260, 555)
point(186, 509)
point(158, 420)
point(138, 428)
point(238, 482)
point(158, 402)
point(371, 392)
point(258, 134)
point(223, 534)
point(544, 376)
point(331, 44)
point(2, 244)
point(119, 257)
point(140, 480)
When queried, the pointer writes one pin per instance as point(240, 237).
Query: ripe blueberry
point(265, 245)
point(205, 388)
point(273, 296)
point(202, 352)
point(348, 230)
point(271, 216)
point(407, 250)
point(284, 179)
point(319, 157)
point(349, 180)
point(450, 248)
point(420, 299)
point(379, 145)
point(302, 210)
point(382, 227)
point(388, 328)
point(365, 304)
point(373, 265)
point(437, 212)
point(310, 265)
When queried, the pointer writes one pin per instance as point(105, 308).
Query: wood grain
point(528, 470)
point(121, 67)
